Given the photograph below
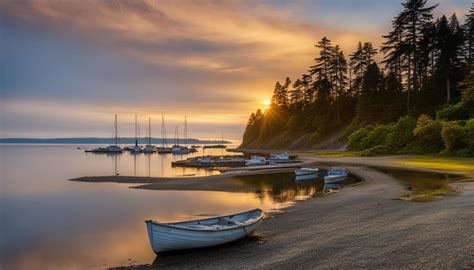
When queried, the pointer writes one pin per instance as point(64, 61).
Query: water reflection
point(154, 165)
point(283, 187)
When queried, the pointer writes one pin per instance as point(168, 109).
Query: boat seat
point(227, 221)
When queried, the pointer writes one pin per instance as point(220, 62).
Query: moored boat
point(202, 233)
point(335, 175)
point(256, 161)
point(306, 173)
point(111, 149)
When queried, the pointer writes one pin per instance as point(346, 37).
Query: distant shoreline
point(96, 140)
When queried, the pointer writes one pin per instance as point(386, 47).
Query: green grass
point(454, 164)
point(330, 153)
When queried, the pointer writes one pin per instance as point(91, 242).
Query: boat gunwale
point(173, 224)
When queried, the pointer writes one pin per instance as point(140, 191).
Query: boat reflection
point(282, 187)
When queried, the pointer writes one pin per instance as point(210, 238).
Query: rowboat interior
point(219, 223)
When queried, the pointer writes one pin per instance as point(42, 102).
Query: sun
point(267, 102)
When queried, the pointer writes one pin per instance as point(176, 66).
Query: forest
point(419, 98)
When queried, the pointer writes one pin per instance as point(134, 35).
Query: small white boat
point(202, 233)
point(335, 175)
point(256, 161)
point(306, 173)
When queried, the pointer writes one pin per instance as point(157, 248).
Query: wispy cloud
point(202, 56)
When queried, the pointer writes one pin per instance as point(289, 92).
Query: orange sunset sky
point(69, 66)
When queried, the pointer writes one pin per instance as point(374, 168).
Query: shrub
point(401, 134)
point(452, 134)
point(458, 111)
point(428, 133)
point(357, 140)
point(468, 131)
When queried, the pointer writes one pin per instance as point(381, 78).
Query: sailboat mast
point(149, 130)
point(185, 131)
point(176, 136)
point(164, 140)
point(116, 130)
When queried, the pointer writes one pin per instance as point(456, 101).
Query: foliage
point(459, 111)
point(452, 134)
point(428, 133)
point(401, 134)
point(428, 70)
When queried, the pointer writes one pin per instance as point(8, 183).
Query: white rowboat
point(202, 233)
point(306, 173)
point(336, 175)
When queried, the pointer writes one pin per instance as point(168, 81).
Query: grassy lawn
point(454, 164)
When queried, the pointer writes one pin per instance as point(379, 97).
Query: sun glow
point(267, 102)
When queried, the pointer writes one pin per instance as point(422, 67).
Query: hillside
point(418, 99)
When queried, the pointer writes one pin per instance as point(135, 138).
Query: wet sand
point(362, 226)
point(221, 182)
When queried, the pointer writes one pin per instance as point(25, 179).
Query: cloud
point(214, 59)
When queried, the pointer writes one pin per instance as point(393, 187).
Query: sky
point(66, 67)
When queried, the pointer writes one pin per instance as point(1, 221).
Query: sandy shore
point(362, 226)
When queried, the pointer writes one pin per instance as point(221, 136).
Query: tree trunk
point(409, 84)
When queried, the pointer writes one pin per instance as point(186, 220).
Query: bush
point(428, 133)
point(452, 136)
point(469, 133)
point(458, 111)
point(357, 140)
point(401, 133)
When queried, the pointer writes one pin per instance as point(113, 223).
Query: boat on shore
point(336, 175)
point(202, 233)
point(306, 173)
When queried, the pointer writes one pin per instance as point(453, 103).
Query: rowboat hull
point(308, 176)
point(166, 237)
point(334, 179)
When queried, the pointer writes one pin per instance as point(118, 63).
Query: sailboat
point(178, 149)
point(149, 148)
point(136, 148)
point(111, 149)
point(164, 149)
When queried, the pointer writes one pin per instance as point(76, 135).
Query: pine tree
point(403, 43)
point(469, 32)
point(449, 44)
point(321, 68)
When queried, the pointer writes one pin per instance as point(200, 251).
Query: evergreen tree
point(321, 68)
point(404, 42)
point(469, 30)
point(449, 44)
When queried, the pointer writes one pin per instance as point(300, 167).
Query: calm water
point(48, 222)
